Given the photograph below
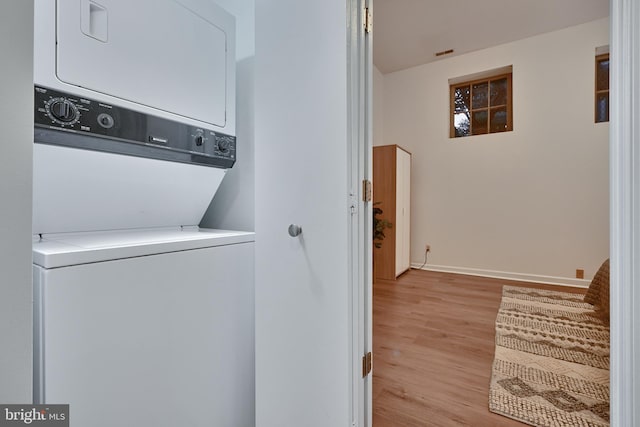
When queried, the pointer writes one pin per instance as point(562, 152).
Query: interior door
point(307, 304)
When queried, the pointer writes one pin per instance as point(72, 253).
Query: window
point(481, 106)
point(602, 88)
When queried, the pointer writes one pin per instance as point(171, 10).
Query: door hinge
point(368, 20)
point(366, 364)
point(366, 190)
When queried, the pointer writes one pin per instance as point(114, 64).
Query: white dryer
point(135, 112)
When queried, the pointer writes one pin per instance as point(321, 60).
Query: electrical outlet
point(427, 248)
point(579, 273)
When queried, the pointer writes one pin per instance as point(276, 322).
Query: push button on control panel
point(105, 120)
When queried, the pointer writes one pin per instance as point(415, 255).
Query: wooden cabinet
point(392, 189)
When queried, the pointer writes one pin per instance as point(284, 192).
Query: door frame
point(359, 122)
point(625, 211)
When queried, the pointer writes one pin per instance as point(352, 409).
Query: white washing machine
point(141, 318)
point(146, 327)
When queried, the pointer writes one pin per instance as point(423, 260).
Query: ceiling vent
point(444, 52)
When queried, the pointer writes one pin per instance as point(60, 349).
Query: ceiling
point(409, 32)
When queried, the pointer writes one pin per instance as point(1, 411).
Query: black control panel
point(78, 122)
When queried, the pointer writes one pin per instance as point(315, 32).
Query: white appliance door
point(157, 53)
point(163, 340)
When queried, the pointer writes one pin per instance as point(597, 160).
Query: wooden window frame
point(470, 83)
point(597, 92)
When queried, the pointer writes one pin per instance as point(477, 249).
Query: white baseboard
point(507, 275)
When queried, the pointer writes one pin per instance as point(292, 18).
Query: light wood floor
point(433, 344)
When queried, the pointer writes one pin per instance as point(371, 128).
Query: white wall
point(378, 107)
point(233, 206)
point(530, 202)
point(16, 121)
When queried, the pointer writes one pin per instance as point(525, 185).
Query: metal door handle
point(295, 230)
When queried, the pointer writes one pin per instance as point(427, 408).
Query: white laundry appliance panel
point(163, 339)
point(99, 166)
point(171, 58)
point(80, 190)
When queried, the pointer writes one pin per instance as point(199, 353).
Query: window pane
point(481, 106)
point(479, 122)
point(498, 119)
point(461, 99)
point(461, 124)
point(480, 95)
point(499, 92)
point(602, 107)
point(603, 75)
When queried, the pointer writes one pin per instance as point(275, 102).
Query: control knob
point(63, 111)
point(223, 144)
point(199, 138)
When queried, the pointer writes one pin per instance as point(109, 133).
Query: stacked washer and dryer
point(141, 317)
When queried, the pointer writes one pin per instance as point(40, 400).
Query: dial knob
point(63, 110)
point(223, 144)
